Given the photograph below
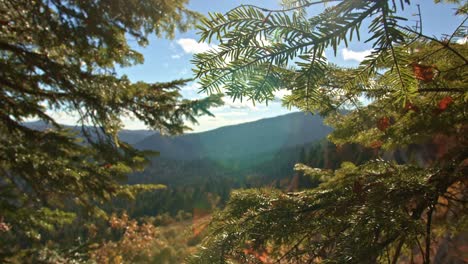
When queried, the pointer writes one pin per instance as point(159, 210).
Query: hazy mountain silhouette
point(237, 141)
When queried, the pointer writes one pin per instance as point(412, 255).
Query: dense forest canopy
point(378, 212)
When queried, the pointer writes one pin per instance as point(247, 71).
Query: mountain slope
point(247, 139)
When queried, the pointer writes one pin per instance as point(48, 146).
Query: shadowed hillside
point(237, 141)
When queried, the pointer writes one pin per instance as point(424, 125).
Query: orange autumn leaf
point(445, 102)
point(376, 144)
point(261, 256)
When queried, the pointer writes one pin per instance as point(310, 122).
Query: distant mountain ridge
point(233, 142)
point(237, 141)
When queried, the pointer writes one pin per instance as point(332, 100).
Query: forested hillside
point(241, 141)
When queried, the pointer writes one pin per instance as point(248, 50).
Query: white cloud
point(232, 114)
point(193, 86)
point(462, 41)
point(192, 91)
point(192, 46)
point(281, 93)
point(176, 56)
point(355, 55)
point(209, 123)
point(228, 102)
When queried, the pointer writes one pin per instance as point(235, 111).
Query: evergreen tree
point(60, 55)
point(302, 155)
point(378, 212)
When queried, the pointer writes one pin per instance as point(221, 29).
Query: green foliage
point(265, 50)
point(378, 212)
point(354, 217)
point(61, 56)
point(130, 191)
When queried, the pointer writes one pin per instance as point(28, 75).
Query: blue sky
point(166, 60)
